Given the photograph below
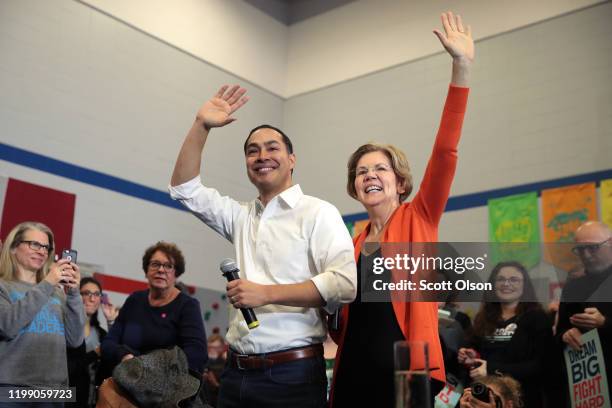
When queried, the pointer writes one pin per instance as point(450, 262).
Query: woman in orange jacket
point(379, 178)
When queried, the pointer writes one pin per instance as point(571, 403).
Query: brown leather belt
point(261, 361)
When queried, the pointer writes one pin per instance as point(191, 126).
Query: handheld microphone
point(230, 270)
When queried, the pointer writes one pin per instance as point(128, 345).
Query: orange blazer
point(417, 221)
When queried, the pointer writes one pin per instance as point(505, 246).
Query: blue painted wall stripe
point(84, 175)
point(95, 178)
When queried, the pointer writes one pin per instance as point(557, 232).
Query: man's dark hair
point(286, 139)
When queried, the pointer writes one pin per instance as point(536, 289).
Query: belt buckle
point(238, 359)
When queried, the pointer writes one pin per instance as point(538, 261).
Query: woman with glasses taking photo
point(41, 311)
point(511, 334)
point(159, 317)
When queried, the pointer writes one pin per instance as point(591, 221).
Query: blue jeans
point(296, 384)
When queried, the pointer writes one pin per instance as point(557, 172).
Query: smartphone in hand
point(71, 255)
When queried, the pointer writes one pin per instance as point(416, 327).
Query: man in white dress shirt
point(295, 256)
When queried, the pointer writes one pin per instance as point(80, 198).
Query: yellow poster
point(605, 189)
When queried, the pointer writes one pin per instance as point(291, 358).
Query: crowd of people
point(298, 265)
point(513, 336)
point(50, 334)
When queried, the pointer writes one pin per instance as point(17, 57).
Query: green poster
point(350, 226)
point(513, 224)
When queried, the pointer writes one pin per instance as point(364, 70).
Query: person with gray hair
point(586, 302)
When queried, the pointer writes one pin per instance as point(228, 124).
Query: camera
point(481, 392)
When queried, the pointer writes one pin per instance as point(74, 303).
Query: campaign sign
point(586, 373)
point(450, 395)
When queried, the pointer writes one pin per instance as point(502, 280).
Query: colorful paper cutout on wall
point(359, 226)
point(349, 227)
point(563, 210)
point(605, 191)
point(514, 219)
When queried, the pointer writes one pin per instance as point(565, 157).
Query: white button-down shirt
point(295, 238)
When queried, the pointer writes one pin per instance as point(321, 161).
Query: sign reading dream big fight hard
point(586, 373)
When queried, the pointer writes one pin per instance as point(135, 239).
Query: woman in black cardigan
point(83, 361)
point(511, 335)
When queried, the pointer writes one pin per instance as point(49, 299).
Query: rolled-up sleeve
point(216, 211)
point(333, 253)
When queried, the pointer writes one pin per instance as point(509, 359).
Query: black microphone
point(230, 270)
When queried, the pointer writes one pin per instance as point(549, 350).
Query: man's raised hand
point(217, 112)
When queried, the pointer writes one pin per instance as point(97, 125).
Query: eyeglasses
point(90, 294)
point(156, 265)
point(379, 168)
point(514, 281)
point(37, 246)
point(590, 248)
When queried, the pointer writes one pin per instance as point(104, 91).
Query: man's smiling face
point(268, 162)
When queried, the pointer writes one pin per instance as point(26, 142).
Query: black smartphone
point(70, 254)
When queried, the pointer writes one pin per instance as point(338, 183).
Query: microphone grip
point(249, 317)
point(247, 312)
point(334, 320)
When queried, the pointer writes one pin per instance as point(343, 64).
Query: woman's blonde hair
point(8, 261)
point(396, 157)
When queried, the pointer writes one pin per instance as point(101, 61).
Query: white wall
point(229, 34)
point(369, 35)
point(355, 39)
point(78, 86)
point(540, 108)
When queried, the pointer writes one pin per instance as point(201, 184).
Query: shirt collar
point(292, 195)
